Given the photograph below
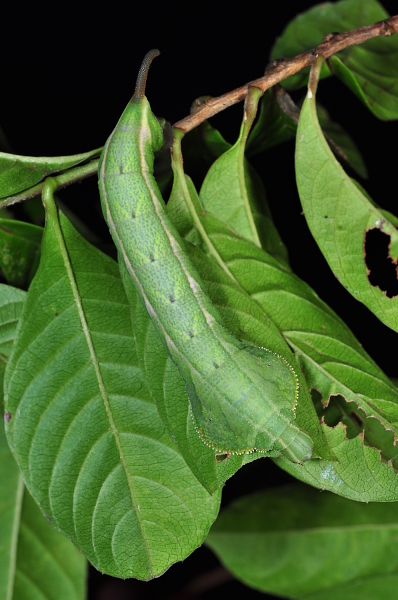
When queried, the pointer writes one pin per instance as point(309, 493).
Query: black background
point(67, 72)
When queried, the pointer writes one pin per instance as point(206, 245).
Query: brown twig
point(281, 69)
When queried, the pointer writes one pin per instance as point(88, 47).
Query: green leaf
point(18, 173)
point(234, 193)
point(84, 429)
point(295, 542)
point(19, 251)
point(368, 69)
point(370, 77)
point(11, 303)
point(227, 179)
point(357, 473)
point(340, 218)
point(35, 560)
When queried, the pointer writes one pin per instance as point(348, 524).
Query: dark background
point(68, 71)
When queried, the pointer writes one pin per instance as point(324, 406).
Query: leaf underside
point(84, 429)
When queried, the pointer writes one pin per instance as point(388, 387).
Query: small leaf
point(85, 432)
point(234, 193)
point(295, 542)
point(370, 78)
point(19, 251)
point(227, 177)
point(18, 173)
point(343, 222)
point(368, 69)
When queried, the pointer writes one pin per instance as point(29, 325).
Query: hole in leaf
point(382, 268)
point(375, 435)
point(222, 456)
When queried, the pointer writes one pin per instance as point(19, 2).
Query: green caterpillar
point(242, 397)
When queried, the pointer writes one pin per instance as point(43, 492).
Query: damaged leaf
point(356, 473)
point(340, 218)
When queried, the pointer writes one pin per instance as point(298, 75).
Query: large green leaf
point(19, 251)
point(296, 542)
point(341, 218)
point(369, 69)
point(84, 429)
point(19, 173)
point(35, 560)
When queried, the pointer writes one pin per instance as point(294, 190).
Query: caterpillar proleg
point(242, 397)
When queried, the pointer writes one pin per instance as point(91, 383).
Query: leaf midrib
point(86, 332)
